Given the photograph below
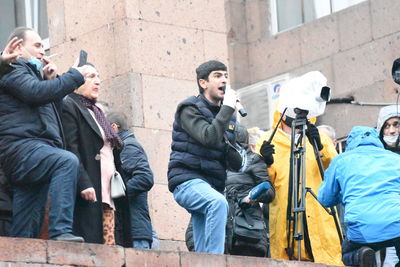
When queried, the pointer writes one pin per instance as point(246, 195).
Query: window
point(29, 13)
point(287, 14)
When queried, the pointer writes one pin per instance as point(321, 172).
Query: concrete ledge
point(36, 252)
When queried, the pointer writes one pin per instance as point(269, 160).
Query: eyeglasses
point(395, 124)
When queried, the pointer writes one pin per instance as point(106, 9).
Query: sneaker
point(367, 257)
point(68, 237)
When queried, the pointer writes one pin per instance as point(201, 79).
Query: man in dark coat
point(139, 180)
point(197, 166)
point(9, 55)
point(31, 141)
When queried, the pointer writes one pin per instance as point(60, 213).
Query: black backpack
point(246, 231)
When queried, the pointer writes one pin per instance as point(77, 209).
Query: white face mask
point(390, 140)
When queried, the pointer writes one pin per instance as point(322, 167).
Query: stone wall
point(19, 252)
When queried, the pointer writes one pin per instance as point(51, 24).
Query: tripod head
point(301, 114)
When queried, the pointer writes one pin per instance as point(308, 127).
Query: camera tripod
point(297, 190)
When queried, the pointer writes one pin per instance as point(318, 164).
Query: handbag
point(246, 232)
point(117, 186)
point(247, 229)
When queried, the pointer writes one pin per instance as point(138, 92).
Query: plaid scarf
point(111, 135)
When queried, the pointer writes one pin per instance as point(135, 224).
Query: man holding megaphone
point(204, 127)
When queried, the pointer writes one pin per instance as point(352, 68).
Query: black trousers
point(5, 223)
point(350, 249)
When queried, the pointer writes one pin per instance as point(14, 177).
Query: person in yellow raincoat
point(324, 239)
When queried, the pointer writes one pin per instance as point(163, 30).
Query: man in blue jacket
point(139, 180)
point(31, 140)
point(366, 179)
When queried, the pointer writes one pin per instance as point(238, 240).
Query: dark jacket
point(84, 139)
point(29, 114)
point(238, 185)
point(4, 67)
point(253, 174)
point(5, 190)
point(139, 180)
point(201, 156)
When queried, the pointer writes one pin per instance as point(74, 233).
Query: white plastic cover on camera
point(304, 93)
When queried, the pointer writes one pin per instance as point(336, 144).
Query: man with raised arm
point(197, 166)
point(31, 140)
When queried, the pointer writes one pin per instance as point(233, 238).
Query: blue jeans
point(156, 241)
point(209, 210)
point(145, 244)
point(58, 172)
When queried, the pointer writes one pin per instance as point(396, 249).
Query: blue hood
point(363, 136)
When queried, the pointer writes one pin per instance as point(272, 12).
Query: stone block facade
point(20, 252)
point(147, 51)
point(354, 48)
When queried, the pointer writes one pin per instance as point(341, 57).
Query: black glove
point(313, 134)
point(266, 151)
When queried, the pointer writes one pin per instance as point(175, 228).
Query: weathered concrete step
point(36, 252)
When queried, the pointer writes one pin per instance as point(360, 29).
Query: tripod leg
point(297, 189)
